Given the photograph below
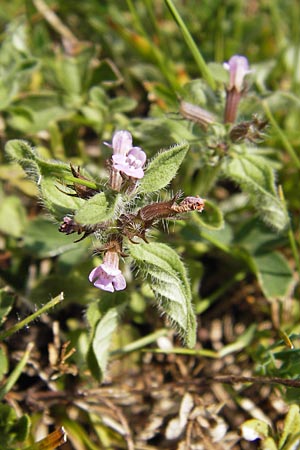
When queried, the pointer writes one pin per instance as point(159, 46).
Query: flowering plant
point(119, 211)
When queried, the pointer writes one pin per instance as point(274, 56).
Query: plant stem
point(87, 183)
point(191, 45)
point(165, 64)
point(281, 135)
point(186, 351)
point(13, 377)
point(140, 343)
point(23, 323)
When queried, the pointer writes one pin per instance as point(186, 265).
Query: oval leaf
point(168, 280)
point(56, 202)
point(100, 208)
point(102, 338)
point(163, 168)
point(103, 317)
point(274, 274)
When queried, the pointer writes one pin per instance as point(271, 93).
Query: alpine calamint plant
point(118, 212)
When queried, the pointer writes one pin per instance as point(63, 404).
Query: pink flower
point(108, 276)
point(238, 67)
point(68, 226)
point(126, 158)
point(132, 163)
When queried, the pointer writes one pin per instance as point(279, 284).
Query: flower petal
point(139, 154)
point(238, 68)
point(119, 282)
point(94, 274)
point(110, 270)
point(133, 172)
point(104, 286)
point(118, 159)
point(121, 142)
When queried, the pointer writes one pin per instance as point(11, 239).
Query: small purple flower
point(108, 276)
point(126, 159)
point(238, 67)
point(132, 163)
point(68, 225)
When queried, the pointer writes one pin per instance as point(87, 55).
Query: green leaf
point(19, 150)
point(68, 75)
point(274, 274)
point(15, 174)
point(104, 320)
point(12, 216)
point(122, 104)
point(100, 208)
point(257, 178)
point(22, 428)
point(98, 98)
point(168, 280)
point(42, 239)
point(211, 218)
point(163, 168)
point(58, 203)
point(256, 237)
point(46, 174)
point(271, 268)
point(105, 328)
point(35, 112)
point(12, 428)
point(291, 426)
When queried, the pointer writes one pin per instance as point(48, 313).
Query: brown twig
point(232, 379)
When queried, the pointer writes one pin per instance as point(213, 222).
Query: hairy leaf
point(100, 208)
point(58, 203)
point(47, 175)
point(163, 168)
point(257, 178)
point(168, 280)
